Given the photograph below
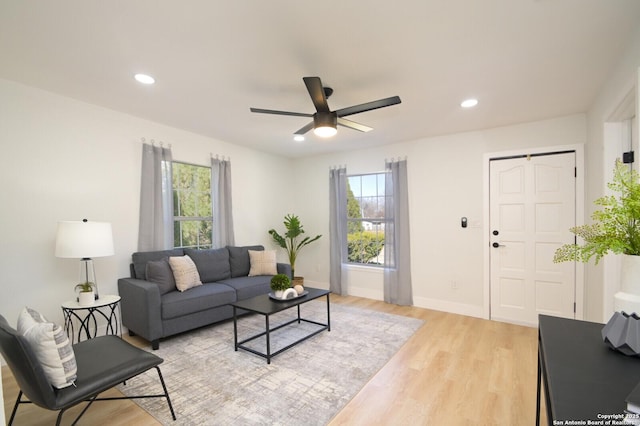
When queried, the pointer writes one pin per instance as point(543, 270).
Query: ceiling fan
point(325, 121)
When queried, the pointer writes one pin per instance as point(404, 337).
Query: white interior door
point(532, 206)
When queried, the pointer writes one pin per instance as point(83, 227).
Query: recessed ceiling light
point(298, 138)
point(145, 79)
point(469, 103)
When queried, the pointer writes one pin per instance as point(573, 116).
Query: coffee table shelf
point(266, 306)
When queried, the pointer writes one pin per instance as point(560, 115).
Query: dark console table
point(583, 379)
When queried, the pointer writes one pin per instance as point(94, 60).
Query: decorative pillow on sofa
point(184, 272)
point(263, 262)
point(159, 272)
point(51, 346)
point(239, 259)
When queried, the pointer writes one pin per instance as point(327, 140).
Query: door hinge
point(574, 307)
point(575, 172)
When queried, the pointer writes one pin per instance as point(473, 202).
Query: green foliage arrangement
point(85, 287)
point(616, 226)
point(280, 282)
point(363, 247)
point(290, 240)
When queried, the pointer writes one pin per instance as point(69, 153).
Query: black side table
point(86, 317)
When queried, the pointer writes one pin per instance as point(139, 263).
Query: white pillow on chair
point(51, 346)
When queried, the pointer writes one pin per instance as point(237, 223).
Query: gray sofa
point(153, 308)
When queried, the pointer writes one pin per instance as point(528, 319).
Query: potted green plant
point(86, 295)
point(615, 229)
point(279, 283)
point(292, 241)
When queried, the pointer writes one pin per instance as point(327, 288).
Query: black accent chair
point(103, 362)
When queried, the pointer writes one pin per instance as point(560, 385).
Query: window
point(365, 218)
point(192, 210)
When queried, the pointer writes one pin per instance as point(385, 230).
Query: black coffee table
point(264, 305)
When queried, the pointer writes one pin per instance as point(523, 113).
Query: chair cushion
point(104, 362)
point(213, 264)
point(263, 262)
point(239, 259)
point(51, 346)
point(160, 272)
point(184, 272)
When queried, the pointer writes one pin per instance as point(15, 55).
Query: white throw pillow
point(263, 262)
point(185, 272)
point(51, 346)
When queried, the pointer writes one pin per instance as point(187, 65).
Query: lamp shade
point(84, 239)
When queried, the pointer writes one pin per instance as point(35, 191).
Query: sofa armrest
point(140, 307)
point(284, 268)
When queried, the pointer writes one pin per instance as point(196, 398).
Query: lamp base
point(88, 275)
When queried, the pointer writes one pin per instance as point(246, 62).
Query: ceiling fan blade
point(316, 91)
point(305, 129)
point(353, 125)
point(273, 111)
point(380, 103)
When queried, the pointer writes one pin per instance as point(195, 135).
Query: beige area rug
point(211, 384)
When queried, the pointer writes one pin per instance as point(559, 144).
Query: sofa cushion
point(201, 298)
point(160, 272)
point(213, 264)
point(51, 346)
point(262, 262)
point(140, 260)
point(239, 259)
point(185, 272)
point(247, 287)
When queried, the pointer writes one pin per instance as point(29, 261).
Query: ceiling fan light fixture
point(325, 131)
point(325, 125)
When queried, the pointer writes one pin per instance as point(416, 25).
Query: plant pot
point(278, 293)
point(628, 298)
point(297, 281)
point(86, 298)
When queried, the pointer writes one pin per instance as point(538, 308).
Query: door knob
point(496, 245)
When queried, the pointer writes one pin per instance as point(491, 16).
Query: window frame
point(373, 220)
point(181, 219)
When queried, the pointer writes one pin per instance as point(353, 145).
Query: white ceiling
point(525, 60)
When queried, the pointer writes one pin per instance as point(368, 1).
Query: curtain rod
point(153, 142)
point(217, 157)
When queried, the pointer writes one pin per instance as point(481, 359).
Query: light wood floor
point(455, 370)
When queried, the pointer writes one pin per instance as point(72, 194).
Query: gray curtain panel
point(156, 199)
point(337, 226)
point(221, 199)
point(397, 251)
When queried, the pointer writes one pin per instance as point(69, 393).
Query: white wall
point(445, 183)
point(67, 160)
point(622, 81)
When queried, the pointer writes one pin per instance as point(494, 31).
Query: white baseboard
point(451, 307)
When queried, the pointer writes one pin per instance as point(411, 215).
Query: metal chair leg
point(15, 408)
point(166, 393)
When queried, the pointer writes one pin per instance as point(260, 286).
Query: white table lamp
point(84, 240)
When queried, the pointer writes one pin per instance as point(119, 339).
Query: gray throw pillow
point(239, 259)
point(212, 264)
point(160, 272)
